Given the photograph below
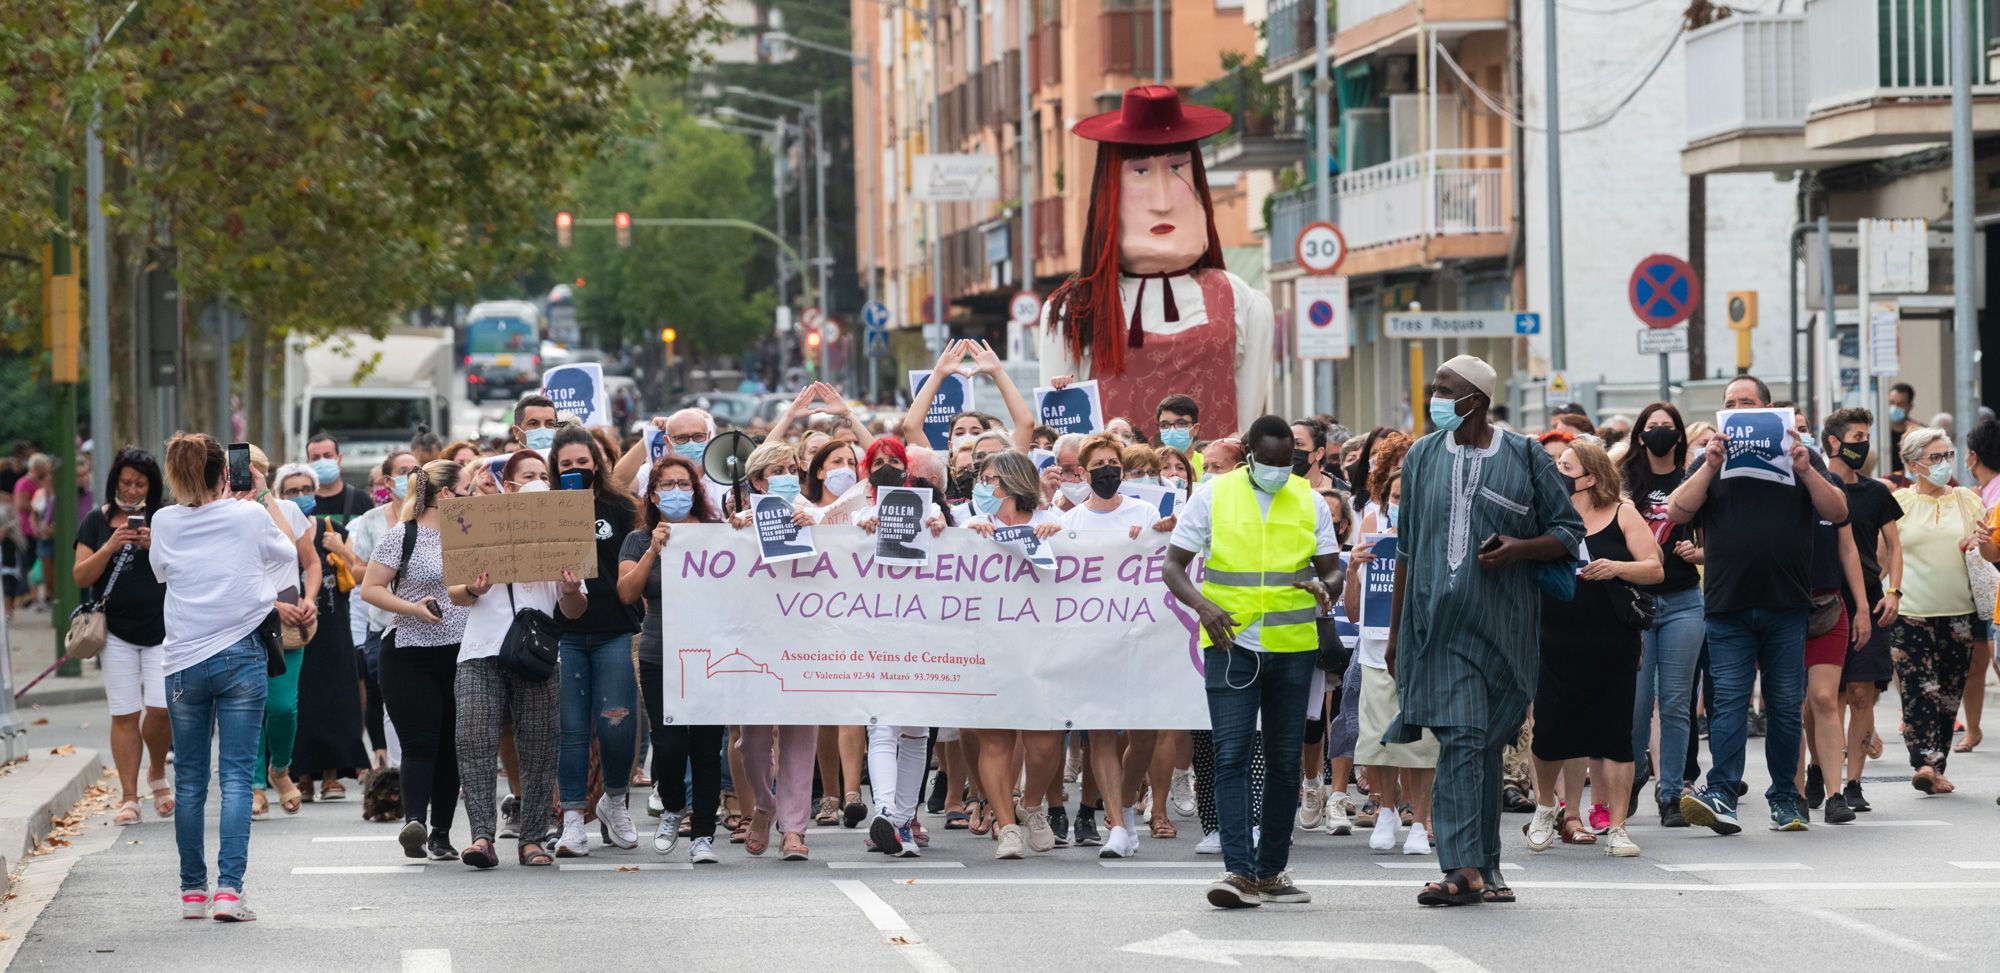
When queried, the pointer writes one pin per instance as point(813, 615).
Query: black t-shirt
point(1757, 540)
point(606, 614)
point(136, 612)
point(1650, 492)
point(344, 506)
point(650, 636)
point(1870, 505)
point(1826, 572)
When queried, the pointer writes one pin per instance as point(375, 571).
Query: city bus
point(503, 350)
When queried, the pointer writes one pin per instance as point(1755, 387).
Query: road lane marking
point(353, 837)
point(1737, 867)
point(1876, 933)
point(426, 961)
point(1430, 866)
point(1977, 866)
point(894, 930)
point(1211, 866)
point(1182, 944)
point(896, 864)
point(1882, 823)
point(627, 866)
point(357, 870)
point(1742, 887)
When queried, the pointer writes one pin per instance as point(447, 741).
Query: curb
point(33, 793)
point(62, 697)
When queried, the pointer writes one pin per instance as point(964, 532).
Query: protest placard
point(578, 390)
point(1760, 444)
point(657, 444)
point(1162, 498)
point(953, 397)
point(1076, 407)
point(780, 537)
point(977, 637)
point(900, 534)
point(1023, 541)
point(519, 536)
point(1044, 458)
point(1378, 587)
point(1348, 631)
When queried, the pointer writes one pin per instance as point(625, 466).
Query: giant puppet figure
point(1150, 310)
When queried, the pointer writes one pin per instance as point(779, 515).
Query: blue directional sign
point(1527, 322)
point(875, 314)
point(876, 341)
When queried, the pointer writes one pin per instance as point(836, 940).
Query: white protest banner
point(978, 637)
point(1023, 541)
point(1161, 497)
point(1760, 444)
point(519, 536)
point(1378, 587)
point(954, 396)
point(1075, 407)
point(900, 535)
point(578, 390)
point(780, 537)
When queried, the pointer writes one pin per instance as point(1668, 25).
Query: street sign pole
point(1666, 383)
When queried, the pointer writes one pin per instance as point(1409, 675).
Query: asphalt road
point(1914, 882)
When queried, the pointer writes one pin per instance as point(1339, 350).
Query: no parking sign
point(1320, 306)
point(1663, 290)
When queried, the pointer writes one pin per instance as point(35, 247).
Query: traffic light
point(667, 335)
point(812, 342)
point(623, 224)
point(563, 223)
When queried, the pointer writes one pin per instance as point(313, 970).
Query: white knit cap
point(1475, 371)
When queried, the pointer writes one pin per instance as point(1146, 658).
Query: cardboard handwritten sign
point(900, 534)
point(519, 536)
point(779, 535)
point(1074, 408)
point(1760, 444)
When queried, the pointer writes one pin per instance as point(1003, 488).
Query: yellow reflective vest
point(1254, 559)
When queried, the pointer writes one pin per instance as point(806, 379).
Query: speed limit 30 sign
point(1320, 248)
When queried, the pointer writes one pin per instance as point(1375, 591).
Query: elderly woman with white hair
point(1932, 641)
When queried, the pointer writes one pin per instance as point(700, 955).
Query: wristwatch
point(1898, 592)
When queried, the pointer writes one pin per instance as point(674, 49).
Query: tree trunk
point(257, 341)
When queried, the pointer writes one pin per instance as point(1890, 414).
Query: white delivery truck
point(369, 393)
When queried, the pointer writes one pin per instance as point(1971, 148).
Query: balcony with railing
point(1288, 32)
point(1125, 40)
point(1746, 73)
point(1045, 53)
point(1263, 131)
point(1880, 72)
point(1287, 215)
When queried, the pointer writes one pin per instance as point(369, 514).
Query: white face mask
point(1076, 493)
point(841, 480)
point(533, 486)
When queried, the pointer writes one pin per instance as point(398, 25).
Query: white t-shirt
point(287, 575)
point(487, 621)
point(1131, 512)
point(1193, 529)
point(216, 562)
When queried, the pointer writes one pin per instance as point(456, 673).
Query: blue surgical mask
point(325, 471)
point(784, 485)
point(305, 503)
point(1179, 439)
point(1939, 474)
point(1444, 413)
point(1897, 413)
point(693, 451)
point(1148, 480)
point(983, 498)
point(1269, 479)
point(675, 504)
point(1393, 510)
point(539, 438)
point(400, 486)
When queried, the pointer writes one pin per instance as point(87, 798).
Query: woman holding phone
point(420, 659)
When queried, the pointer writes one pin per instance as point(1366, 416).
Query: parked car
point(728, 408)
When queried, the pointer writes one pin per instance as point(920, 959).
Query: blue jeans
point(1668, 653)
point(1242, 685)
point(222, 696)
point(600, 694)
point(1740, 645)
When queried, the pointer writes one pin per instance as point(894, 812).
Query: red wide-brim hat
point(1153, 115)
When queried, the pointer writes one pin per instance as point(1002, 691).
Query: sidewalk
point(32, 640)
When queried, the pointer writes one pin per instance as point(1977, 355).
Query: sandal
point(757, 838)
point(733, 821)
point(260, 806)
point(1163, 828)
point(163, 797)
point(1498, 895)
point(288, 792)
point(957, 821)
point(332, 791)
point(128, 813)
point(795, 849)
point(1451, 890)
point(979, 821)
point(1577, 835)
point(532, 855)
point(829, 811)
point(1972, 739)
point(480, 854)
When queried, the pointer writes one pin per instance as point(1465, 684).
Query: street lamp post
point(814, 111)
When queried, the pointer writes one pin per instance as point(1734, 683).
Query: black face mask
point(1660, 440)
point(1569, 482)
point(961, 485)
point(1855, 455)
point(1104, 481)
point(1301, 462)
point(887, 476)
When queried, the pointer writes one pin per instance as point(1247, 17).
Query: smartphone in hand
point(239, 467)
point(1491, 543)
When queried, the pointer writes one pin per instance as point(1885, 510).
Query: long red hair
point(1088, 313)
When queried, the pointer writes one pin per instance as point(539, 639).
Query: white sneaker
point(614, 822)
point(1419, 841)
point(1542, 829)
point(575, 842)
point(510, 817)
point(1211, 844)
point(1041, 837)
point(1011, 844)
point(1123, 842)
point(1383, 838)
point(1618, 844)
point(1312, 806)
point(1180, 793)
point(1336, 819)
point(655, 806)
point(229, 907)
point(668, 834)
point(194, 905)
point(702, 851)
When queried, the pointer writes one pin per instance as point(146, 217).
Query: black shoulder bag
point(529, 650)
point(409, 546)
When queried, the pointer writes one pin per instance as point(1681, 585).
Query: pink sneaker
point(194, 905)
point(229, 907)
point(1600, 818)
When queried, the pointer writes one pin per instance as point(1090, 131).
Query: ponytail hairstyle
point(431, 484)
point(195, 462)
